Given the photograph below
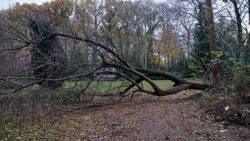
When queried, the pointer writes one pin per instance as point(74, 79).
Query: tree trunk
point(212, 38)
point(247, 48)
point(239, 27)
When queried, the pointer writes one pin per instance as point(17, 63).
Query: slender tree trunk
point(168, 62)
point(145, 54)
point(188, 45)
point(212, 38)
point(159, 59)
point(165, 62)
point(249, 12)
point(150, 53)
point(96, 38)
point(239, 27)
point(247, 48)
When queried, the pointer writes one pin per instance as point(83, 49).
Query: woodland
point(125, 70)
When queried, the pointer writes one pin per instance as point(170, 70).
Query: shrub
point(226, 106)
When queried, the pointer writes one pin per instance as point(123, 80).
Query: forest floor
point(149, 118)
point(174, 118)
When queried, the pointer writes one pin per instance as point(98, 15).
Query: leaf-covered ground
point(174, 118)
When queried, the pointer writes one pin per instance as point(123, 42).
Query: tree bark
point(239, 27)
point(212, 38)
point(247, 47)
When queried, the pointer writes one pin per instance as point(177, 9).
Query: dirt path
point(151, 119)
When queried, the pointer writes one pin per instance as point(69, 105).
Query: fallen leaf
point(222, 131)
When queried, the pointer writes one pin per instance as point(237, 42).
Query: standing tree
point(201, 41)
point(247, 48)
point(239, 24)
point(212, 40)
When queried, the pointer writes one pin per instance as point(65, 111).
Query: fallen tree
point(49, 65)
point(110, 59)
point(132, 74)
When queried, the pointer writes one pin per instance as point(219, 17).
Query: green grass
point(164, 84)
point(105, 86)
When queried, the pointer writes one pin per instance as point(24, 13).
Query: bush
point(242, 80)
point(226, 106)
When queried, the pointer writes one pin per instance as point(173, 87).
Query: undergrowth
point(226, 107)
